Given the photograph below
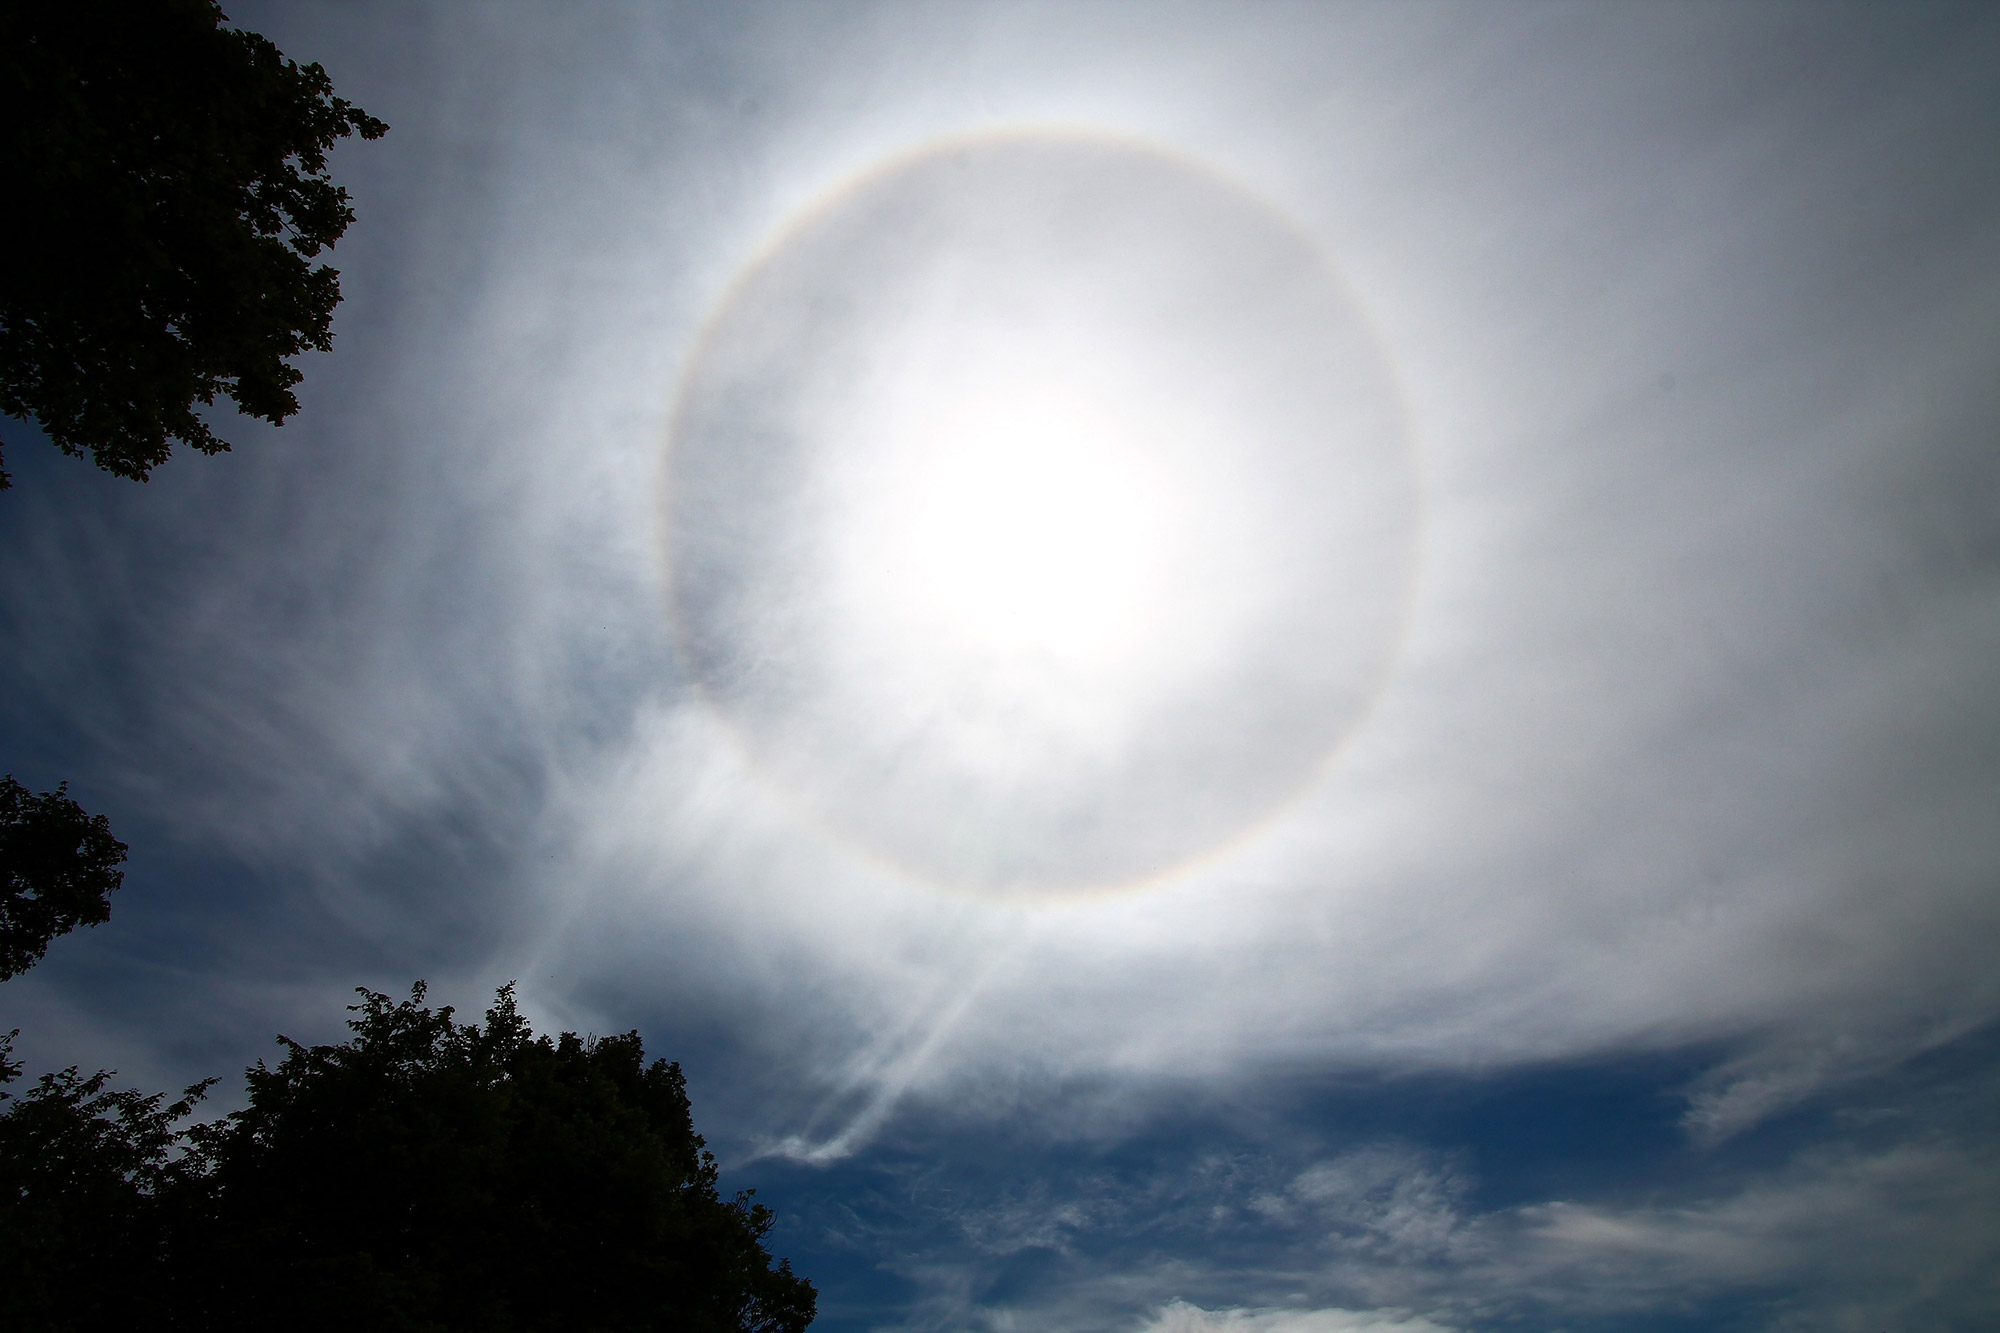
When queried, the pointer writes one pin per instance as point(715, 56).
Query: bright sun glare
point(1011, 511)
point(1039, 511)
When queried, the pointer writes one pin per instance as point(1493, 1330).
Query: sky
point(1293, 668)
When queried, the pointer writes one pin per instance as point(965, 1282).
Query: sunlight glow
point(1040, 512)
point(1012, 512)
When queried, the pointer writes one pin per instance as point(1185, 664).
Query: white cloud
point(1686, 740)
point(1670, 757)
point(1181, 1317)
point(1692, 737)
point(1386, 1200)
point(1905, 1236)
point(1893, 1224)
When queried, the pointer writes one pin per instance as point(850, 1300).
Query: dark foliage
point(425, 1175)
point(58, 867)
point(166, 182)
point(91, 1183)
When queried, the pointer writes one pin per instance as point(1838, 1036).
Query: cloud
point(1888, 1221)
point(1688, 741)
point(1775, 1077)
point(1181, 1317)
point(1683, 745)
point(1690, 745)
point(1384, 1199)
point(1840, 1239)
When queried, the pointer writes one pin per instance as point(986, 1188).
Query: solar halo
point(1040, 512)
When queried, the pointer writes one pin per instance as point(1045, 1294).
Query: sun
point(1040, 511)
point(1011, 508)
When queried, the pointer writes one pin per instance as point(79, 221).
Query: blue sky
point(1425, 758)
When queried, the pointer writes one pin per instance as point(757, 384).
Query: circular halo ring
point(763, 745)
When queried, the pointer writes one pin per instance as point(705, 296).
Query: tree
point(58, 868)
point(424, 1175)
point(167, 188)
point(91, 1182)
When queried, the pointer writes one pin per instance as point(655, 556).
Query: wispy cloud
point(1903, 1233)
point(1181, 1317)
point(1690, 744)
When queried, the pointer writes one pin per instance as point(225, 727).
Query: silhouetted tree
point(167, 186)
point(424, 1175)
point(58, 867)
point(92, 1186)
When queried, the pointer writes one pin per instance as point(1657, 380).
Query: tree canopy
point(90, 1178)
point(58, 868)
point(168, 188)
point(424, 1175)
